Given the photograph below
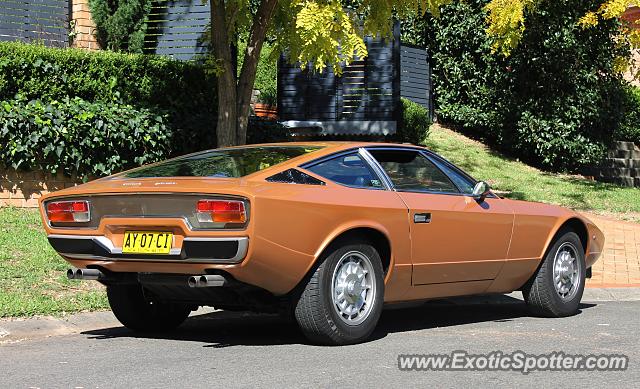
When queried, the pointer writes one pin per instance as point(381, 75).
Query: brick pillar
point(632, 16)
point(84, 26)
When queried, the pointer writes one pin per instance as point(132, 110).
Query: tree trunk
point(227, 124)
point(234, 94)
point(226, 127)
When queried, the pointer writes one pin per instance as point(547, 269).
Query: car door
point(454, 238)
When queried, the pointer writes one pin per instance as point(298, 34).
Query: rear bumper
point(213, 250)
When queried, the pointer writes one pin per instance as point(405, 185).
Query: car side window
point(462, 180)
point(411, 171)
point(348, 170)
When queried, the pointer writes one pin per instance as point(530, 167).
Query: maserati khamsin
point(325, 233)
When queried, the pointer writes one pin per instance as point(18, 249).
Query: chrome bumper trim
point(107, 244)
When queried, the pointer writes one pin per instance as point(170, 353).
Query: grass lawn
point(32, 276)
point(522, 182)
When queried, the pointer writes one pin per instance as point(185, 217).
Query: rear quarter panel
point(293, 224)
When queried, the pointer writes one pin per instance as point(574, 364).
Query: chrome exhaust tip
point(84, 274)
point(206, 281)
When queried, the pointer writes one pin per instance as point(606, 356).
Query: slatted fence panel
point(177, 28)
point(415, 75)
point(368, 90)
point(44, 21)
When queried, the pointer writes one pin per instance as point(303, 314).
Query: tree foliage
point(120, 24)
point(555, 100)
point(331, 33)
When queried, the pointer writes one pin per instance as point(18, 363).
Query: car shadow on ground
point(221, 329)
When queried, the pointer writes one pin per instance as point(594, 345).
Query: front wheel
point(342, 302)
point(135, 312)
point(556, 289)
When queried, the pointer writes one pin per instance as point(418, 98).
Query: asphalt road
point(246, 350)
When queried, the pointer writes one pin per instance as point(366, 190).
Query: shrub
point(555, 101)
point(267, 72)
point(181, 90)
point(268, 96)
point(556, 143)
point(415, 123)
point(630, 128)
point(80, 138)
point(120, 25)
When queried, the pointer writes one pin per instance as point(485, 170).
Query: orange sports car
point(324, 232)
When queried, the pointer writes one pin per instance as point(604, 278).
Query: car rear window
point(236, 162)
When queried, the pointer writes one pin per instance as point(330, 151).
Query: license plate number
point(147, 242)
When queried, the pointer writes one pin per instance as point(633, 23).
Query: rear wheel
point(135, 312)
point(557, 287)
point(342, 302)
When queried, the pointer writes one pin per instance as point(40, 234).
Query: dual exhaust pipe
point(206, 281)
point(199, 281)
point(85, 274)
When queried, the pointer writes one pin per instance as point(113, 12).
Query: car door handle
point(422, 217)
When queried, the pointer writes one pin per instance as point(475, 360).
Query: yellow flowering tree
point(324, 32)
point(628, 34)
point(331, 33)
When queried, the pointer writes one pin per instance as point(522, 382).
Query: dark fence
point(177, 28)
point(365, 99)
point(45, 21)
point(415, 76)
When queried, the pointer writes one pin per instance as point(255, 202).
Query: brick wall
point(632, 15)
point(84, 26)
point(23, 189)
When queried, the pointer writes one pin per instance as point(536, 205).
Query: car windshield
point(233, 163)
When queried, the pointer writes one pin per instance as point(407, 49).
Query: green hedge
point(80, 138)
point(630, 128)
point(415, 123)
point(121, 25)
point(556, 102)
point(95, 113)
point(181, 90)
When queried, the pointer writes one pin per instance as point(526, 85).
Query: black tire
point(135, 312)
point(540, 292)
point(315, 312)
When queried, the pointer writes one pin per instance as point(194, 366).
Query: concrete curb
point(21, 329)
point(611, 294)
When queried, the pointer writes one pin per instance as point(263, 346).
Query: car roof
point(327, 148)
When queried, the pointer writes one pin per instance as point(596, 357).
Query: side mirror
point(481, 191)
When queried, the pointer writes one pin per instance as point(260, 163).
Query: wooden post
point(397, 104)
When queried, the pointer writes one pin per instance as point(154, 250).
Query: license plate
point(147, 242)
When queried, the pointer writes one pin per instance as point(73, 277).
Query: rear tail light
point(68, 212)
point(221, 211)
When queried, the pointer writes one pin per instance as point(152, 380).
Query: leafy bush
point(268, 96)
point(267, 72)
point(555, 142)
point(555, 101)
point(630, 128)
point(181, 90)
point(80, 138)
point(120, 25)
point(415, 123)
